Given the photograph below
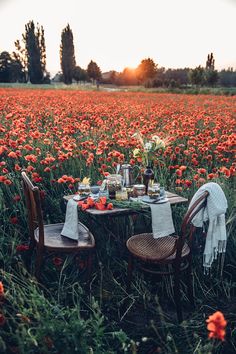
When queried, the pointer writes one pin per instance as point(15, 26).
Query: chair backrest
point(33, 204)
point(199, 204)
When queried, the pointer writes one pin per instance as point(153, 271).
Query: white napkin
point(71, 228)
point(162, 222)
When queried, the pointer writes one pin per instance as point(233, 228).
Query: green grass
point(228, 91)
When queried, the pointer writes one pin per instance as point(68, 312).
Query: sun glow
point(172, 33)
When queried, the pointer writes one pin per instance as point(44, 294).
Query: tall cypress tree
point(67, 55)
point(36, 53)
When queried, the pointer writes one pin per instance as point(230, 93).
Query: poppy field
point(61, 136)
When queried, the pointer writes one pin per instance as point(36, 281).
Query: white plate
point(147, 199)
point(78, 197)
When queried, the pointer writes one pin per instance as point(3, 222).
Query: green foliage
point(197, 76)
point(38, 323)
point(93, 71)
point(11, 69)
point(227, 78)
point(5, 67)
point(146, 70)
point(79, 74)
point(211, 75)
point(67, 55)
point(36, 52)
point(20, 55)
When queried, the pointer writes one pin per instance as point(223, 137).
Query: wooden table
point(106, 218)
point(172, 197)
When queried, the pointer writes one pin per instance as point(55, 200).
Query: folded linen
point(71, 227)
point(214, 212)
point(162, 221)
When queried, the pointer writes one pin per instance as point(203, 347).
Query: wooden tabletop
point(172, 197)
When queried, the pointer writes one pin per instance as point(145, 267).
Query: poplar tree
point(35, 51)
point(210, 72)
point(67, 55)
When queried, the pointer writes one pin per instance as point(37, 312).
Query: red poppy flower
point(103, 200)
point(179, 172)
point(2, 319)
point(17, 198)
point(21, 248)
point(14, 220)
point(216, 324)
point(85, 206)
point(12, 154)
point(1, 289)
point(90, 202)
point(100, 206)
point(57, 261)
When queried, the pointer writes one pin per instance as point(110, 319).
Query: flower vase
point(148, 175)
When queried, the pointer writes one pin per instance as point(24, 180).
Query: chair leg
point(130, 272)
point(28, 259)
point(177, 295)
point(32, 245)
point(190, 284)
point(38, 263)
point(89, 265)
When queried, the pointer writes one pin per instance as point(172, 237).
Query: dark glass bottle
point(148, 175)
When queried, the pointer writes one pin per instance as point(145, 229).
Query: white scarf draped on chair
point(214, 212)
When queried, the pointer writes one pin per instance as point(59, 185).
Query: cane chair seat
point(54, 240)
point(147, 248)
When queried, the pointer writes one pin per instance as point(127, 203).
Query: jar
point(153, 190)
point(122, 194)
point(84, 189)
point(139, 190)
point(113, 185)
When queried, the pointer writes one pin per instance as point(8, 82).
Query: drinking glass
point(162, 192)
point(153, 190)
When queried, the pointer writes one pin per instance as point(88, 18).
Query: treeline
point(149, 75)
point(28, 64)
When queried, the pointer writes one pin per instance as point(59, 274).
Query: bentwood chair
point(173, 252)
point(48, 238)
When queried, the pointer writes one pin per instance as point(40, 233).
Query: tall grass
point(218, 91)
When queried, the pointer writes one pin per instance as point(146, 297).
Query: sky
point(120, 33)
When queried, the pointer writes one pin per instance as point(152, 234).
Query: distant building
point(108, 77)
point(57, 77)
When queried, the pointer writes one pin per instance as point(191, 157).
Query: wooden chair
point(166, 251)
point(47, 238)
